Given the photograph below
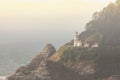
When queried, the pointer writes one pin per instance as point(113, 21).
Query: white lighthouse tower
point(77, 42)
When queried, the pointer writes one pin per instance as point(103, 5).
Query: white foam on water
point(3, 78)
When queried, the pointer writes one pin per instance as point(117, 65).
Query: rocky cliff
point(91, 63)
point(71, 63)
point(41, 68)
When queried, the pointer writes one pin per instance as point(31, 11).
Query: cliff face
point(71, 63)
point(41, 68)
point(91, 63)
point(36, 67)
point(45, 53)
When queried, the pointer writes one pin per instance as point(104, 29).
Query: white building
point(86, 45)
point(77, 42)
point(95, 45)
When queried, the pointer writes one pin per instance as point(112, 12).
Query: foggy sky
point(16, 15)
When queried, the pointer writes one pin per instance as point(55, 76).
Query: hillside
point(92, 63)
point(40, 68)
point(106, 22)
point(96, 63)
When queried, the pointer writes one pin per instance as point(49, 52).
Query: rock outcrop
point(41, 68)
point(36, 69)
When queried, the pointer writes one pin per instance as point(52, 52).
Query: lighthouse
point(77, 42)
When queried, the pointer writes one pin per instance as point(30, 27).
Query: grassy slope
point(104, 59)
point(74, 54)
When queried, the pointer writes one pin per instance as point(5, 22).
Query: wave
point(3, 78)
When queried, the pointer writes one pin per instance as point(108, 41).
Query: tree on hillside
point(107, 22)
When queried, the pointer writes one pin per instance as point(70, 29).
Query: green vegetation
point(76, 54)
point(106, 22)
point(105, 59)
point(96, 37)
